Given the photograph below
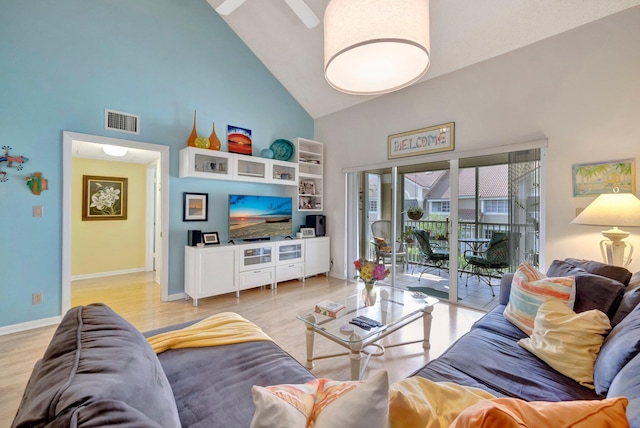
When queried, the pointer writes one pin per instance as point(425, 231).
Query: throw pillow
point(622, 344)
point(323, 403)
point(516, 413)
point(618, 273)
point(529, 289)
point(419, 402)
point(567, 341)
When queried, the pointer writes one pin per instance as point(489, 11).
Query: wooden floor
point(137, 299)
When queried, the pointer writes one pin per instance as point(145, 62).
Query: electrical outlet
point(36, 298)
point(37, 211)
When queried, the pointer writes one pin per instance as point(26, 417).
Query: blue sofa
point(489, 357)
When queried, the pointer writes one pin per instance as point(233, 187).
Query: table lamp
point(614, 210)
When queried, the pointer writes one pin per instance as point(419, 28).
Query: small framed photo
point(210, 238)
point(308, 232)
point(104, 198)
point(307, 187)
point(195, 206)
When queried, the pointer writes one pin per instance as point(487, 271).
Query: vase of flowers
point(369, 273)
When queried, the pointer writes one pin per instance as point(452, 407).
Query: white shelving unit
point(310, 174)
point(204, 163)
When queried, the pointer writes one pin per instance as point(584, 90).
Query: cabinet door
point(316, 256)
point(289, 252)
point(289, 271)
point(217, 273)
point(256, 278)
point(256, 256)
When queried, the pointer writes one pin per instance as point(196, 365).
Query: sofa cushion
point(323, 403)
point(630, 299)
point(511, 412)
point(96, 355)
point(620, 346)
point(592, 291)
point(495, 322)
point(419, 402)
point(529, 289)
point(104, 413)
point(618, 273)
point(627, 384)
point(567, 341)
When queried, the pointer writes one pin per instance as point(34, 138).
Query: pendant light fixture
point(375, 46)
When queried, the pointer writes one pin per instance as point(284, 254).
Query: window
point(495, 206)
point(440, 207)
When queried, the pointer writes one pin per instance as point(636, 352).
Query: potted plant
point(415, 213)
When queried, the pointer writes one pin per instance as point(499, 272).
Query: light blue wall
point(63, 62)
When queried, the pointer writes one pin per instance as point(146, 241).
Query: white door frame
point(163, 178)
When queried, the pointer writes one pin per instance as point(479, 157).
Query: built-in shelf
point(310, 174)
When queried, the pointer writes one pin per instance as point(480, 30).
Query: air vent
point(121, 122)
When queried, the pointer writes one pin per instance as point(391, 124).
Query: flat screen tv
point(259, 217)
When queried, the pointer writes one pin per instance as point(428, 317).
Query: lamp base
point(613, 248)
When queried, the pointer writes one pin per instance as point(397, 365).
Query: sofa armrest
point(505, 288)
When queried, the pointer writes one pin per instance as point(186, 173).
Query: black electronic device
point(194, 237)
point(317, 222)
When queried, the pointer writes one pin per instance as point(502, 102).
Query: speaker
point(318, 222)
point(194, 237)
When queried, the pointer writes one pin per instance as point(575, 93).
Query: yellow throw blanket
point(224, 328)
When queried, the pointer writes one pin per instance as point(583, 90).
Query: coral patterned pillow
point(529, 289)
point(323, 403)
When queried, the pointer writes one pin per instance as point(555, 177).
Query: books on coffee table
point(329, 308)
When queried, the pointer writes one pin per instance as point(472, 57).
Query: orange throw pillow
point(512, 412)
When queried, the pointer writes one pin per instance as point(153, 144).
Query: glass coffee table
point(394, 309)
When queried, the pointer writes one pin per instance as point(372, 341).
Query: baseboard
point(103, 274)
point(29, 325)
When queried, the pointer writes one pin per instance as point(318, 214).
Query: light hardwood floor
point(137, 299)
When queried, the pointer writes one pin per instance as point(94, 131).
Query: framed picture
point(104, 198)
point(592, 179)
point(308, 232)
point(239, 140)
point(210, 238)
point(195, 206)
point(307, 187)
point(439, 138)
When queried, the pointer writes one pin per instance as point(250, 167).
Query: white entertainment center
point(219, 269)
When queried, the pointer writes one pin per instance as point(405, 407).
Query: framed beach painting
point(104, 198)
point(239, 140)
point(592, 179)
point(195, 206)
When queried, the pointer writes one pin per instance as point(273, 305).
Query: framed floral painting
point(104, 198)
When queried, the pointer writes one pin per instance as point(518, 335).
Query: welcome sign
point(439, 138)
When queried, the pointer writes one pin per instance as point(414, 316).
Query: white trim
point(110, 273)
point(448, 156)
point(29, 325)
point(163, 176)
point(150, 217)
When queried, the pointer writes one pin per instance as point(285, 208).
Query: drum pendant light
point(375, 46)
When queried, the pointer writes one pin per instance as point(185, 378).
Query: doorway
point(160, 196)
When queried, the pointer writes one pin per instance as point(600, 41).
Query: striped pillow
point(529, 289)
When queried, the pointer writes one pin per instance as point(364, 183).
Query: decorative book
point(329, 308)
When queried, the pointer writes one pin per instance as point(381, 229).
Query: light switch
point(37, 211)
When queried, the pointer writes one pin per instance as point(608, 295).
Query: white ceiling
point(84, 149)
point(463, 32)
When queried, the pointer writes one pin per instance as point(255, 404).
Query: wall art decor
point(440, 138)
point(195, 206)
point(104, 198)
point(11, 162)
point(239, 140)
point(592, 179)
point(37, 183)
point(210, 238)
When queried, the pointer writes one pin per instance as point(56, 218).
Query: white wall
point(580, 90)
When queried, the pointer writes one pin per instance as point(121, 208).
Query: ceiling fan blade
point(303, 11)
point(228, 6)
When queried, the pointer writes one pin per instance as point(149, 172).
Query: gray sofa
point(99, 370)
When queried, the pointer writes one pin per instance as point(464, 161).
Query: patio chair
point(430, 258)
point(381, 231)
point(488, 263)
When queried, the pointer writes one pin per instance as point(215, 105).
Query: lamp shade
point(611, 209)
point(375, 46)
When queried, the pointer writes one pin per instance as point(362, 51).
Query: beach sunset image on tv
point(252, 217)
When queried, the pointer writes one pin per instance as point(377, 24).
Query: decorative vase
point(214, 141)
point(194, 135)
point(369, 294)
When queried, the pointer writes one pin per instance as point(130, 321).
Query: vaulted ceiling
point(463, 32)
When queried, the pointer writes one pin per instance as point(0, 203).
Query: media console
point(220, 269)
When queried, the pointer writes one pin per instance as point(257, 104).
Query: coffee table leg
point(426, 326)
point(355, 356)
point(310, 337)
